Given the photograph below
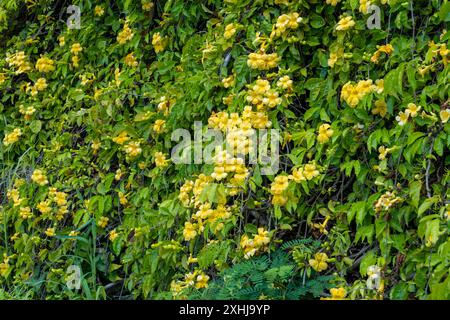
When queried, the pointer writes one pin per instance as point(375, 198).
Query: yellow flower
point(62, 41)
point(50, 232)
point(383, 152)
point(45, 65)
point(39, 177)
point(325, 133)
point(228, 82)
point(338, 293)
point(380, 108)
point(230, 30)
point(60, 198)
point(3, 78)
point(262, 61)
point(191, 259)
point(158, 42)
point(125, 35)
point(25, 213)
point(297, 175)
point(133, 148)
point(147, 5)
point(20, 61)
point(103, 222)
point(113, 235)
point(319, 263)
point(412, 109)
point(351, 94)
point(40, 84)
point(12, 137)
point(402, 118)
point(159, 126)
point(189, 231)
point(44, 207)
point(202, 281)
point(99, 11)
point(122, 199)
point(121, 138)
point(445, 115)
point(130, 60)
point(310, 171)
point(76, 48)
point(75, 61)
point(160, 160)
point(74, 233)
point(262, 238)
point(345, 23)
point(285, 82)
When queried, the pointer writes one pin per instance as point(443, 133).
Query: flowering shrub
point(358, 209)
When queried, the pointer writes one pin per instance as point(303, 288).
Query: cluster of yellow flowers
point(386, 201)
point(319, 263)
point(189, 195)
point(263, 96)
point(20, 61)
point(307, 172)
point(354, 93)
point(44, 64)
point(197, 279)
point(388, 49)
point(14, 195)
point(125, 35)
point(39, 177)
point(75, 49)
point(411, 111)
point(60, 198)
point(39, 85)
point(12, 137)
point(158, 42)
point(262, 60)
point(27, 111)
point(196, 188)
point(25, 213)
point(345, 23)
point(259, 243)
point(277, 189)
point(441, 49)
point(285, 22)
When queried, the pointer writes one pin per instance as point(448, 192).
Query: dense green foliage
point(360, 207)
